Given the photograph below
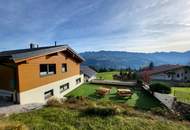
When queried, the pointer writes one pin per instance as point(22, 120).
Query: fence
point(182, 96)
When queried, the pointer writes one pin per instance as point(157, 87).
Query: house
point(35, 74)
point(178, 73)
point(89, 74)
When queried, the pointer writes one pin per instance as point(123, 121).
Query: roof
point(87, 71)
point(22, 54)
point(163, 68)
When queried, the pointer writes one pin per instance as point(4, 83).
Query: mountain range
point(120, 59)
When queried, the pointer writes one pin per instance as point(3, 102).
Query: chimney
point(32, 45)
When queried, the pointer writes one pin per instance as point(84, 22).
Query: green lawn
point(107, 75)
point(140, 99)
point(182, 93)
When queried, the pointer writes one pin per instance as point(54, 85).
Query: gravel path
point(7, 110)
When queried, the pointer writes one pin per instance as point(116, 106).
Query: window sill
point(46, 75)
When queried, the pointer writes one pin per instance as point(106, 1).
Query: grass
point(58, 118)
point(140, 99)
point(12, 125)
point(107, 75)
point(182, 93)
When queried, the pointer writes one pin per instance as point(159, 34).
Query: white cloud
point(130, 25)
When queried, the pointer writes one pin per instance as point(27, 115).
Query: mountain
point(119, 59)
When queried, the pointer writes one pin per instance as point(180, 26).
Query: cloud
point(128, 25)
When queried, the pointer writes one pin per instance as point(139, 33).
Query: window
point(78, 80)
point(52, 69)
point(46, 69)
point(43, 69)
point(178, 75)
point(64, 68)
point(48, 94)
point(186, 72)
point(64, 87)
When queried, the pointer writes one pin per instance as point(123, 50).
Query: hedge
point(160, 88)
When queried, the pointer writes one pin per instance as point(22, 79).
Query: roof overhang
point(37, 53)
point(169, 70)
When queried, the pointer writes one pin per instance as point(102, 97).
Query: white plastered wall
point(36, 95)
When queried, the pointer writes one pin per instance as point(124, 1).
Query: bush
point(187, 117)
point(73, 99)
point(102, 111)
point(159, 111)
point(53, 101)
point(139, 83)
point(160, 88)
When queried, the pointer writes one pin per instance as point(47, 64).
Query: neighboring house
point(89, 74)
point(33, 75)
point(177, 73)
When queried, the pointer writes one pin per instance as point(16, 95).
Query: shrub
point(187, 117)
point(159, 111)
point(139, 83)
point(160, 88)
point(102, 111)
point(53, 101)
point(82, 98)
point(72, 99)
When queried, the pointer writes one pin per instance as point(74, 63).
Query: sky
point(93, 25)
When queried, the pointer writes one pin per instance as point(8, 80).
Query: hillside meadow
point(83, 114)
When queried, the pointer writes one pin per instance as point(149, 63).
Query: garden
point(140, 98)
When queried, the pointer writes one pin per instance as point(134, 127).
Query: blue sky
point(92, 25)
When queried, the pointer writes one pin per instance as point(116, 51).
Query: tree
point(151, 65)
point(145, 77)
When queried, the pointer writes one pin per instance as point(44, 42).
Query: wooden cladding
point(30, 77)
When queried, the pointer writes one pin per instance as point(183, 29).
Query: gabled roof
point(22, 54)
point(163, 68)
point(87, 71)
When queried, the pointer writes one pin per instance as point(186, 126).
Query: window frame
point(62, 87)
point(51, 95)
point(48, 70)
point(78, 81)
point(66, 68)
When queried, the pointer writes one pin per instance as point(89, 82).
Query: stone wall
point(166, 99)
point(182, 108)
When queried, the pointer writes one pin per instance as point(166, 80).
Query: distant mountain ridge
point(121, 59)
